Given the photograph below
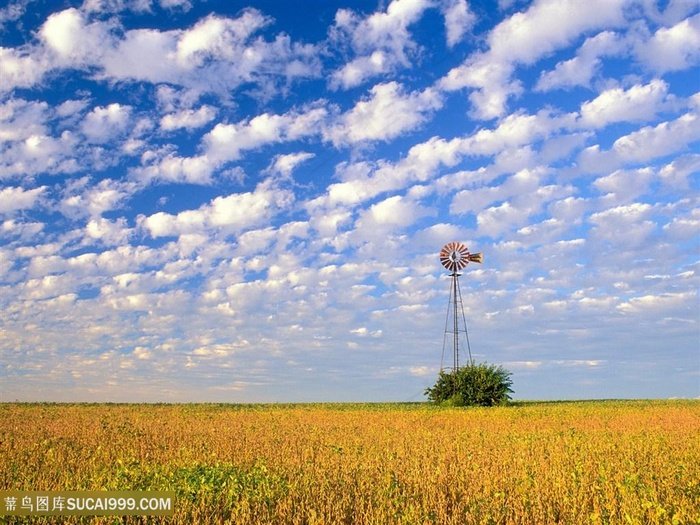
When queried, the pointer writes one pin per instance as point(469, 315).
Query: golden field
point(626, 462)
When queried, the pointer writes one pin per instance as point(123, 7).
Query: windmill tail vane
point(476, 257)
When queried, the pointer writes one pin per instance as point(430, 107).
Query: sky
point(245, 202)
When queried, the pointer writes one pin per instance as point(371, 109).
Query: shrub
point(472, 385)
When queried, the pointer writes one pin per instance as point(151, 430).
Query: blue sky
point(216, 201)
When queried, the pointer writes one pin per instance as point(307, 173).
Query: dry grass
point(588, 462)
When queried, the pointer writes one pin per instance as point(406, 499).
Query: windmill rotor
point(455, 255)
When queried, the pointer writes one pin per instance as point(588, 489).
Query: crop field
point(626, 462)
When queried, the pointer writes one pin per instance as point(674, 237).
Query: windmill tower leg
point(455, 324)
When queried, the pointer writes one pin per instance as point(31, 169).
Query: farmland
point(570, 462)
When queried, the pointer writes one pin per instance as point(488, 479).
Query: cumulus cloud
point(639, 103)
point(105, 123)
point(672, 48)
point(21, 119)
point(20, 69)
point(15, 198)
point(39, 153)
point(226, 142)
point(624, 186)
point(458, 20)
point(74, 41)
point(382, 40)
point(188, 119)
point(388, 112)
point(626, 225)
point(139, 6)
point(285, 164)
point(84, 199)
point(657, 141)
point(393, 212)
point(521, 40)
point(12, 11)
point(233, 213)
point(111, 233)
point(580, 70)
point(643, 145)
point(216, 55)
point(362, 181)
point(677, 173)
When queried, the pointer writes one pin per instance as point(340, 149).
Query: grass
point(566, 462)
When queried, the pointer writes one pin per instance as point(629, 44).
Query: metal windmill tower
point(454, 256)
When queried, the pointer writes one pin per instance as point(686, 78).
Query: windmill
point(454, 256)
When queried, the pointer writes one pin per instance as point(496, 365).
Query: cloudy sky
point(221, 201)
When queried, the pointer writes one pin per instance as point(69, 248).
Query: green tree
point(472, 385)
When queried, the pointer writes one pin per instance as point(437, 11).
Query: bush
point(472, 385)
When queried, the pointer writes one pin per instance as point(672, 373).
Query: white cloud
point(14, 198)
point(624, 226)
point(673, 48)
point(20, 119)
point(188, 119)
point(659, 305)
point(523, 39)
point(14, 10)
point(624, 186)
point(214, 53)
point(580, 70)
point(226, 142)
point(20, 69)
point(658, 141)
point(83, 199)
point(515, 130)
point(39, 153)
point(527, 36)
point(105, 123)
point(171, 168)
point(74, 42)
point(509, 206)
point(285, 164)
point(458, 20)
point(474, 201)
point(144, 54)
point(677, 173)
point(396, 211)
point(138, 6)
point(643, 145)
point(683, 228)
point(356, 72)
point(233, 213)
point(381, 40)
point(388, 113)
point(218, 54)
point(111, 233)
point(362, 180)
point(637, 104)
point(491, 80)
point(216, 36)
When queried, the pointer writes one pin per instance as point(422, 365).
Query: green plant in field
point(472, 385)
